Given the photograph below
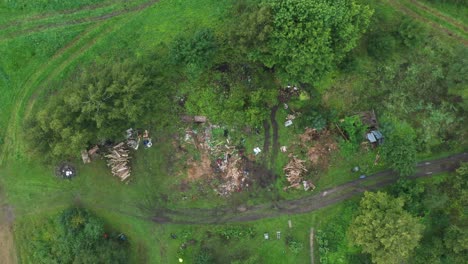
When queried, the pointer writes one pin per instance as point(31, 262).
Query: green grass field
point(42, 44)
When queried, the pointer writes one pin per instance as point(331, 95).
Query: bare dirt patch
point(7, 244)
point(199, 169)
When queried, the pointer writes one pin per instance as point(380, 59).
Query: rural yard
point(237, 131)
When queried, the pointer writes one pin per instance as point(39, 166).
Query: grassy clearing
point(36, 64)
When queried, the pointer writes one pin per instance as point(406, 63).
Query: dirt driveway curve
point(305, 204)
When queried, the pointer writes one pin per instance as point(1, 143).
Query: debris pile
point(235, 178)
point(88, 155)
point(118, 161)
point(65, 170)
point(322, 145)
point(294, 171)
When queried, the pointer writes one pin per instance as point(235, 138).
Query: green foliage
point(355, 130)
point(228, 96)
point(412, 32)
point(310, 37)
point(194, 52)
point(294, 245)
point(411, 192)
point(98, 105)
point(399, 148)
point(236, 232)
point(205, 256)
point(384, 229)
point(333, 245)
point(436, 125)
point(457, 77)
point(76, 237)
point(251, 27)
point(381, 45)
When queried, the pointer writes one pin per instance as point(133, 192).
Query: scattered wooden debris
point(85, 156)
point(199, 119)
point(193, 119)
point(234, 178)
point(118, 161)
point(93, 151)
point(295, 170)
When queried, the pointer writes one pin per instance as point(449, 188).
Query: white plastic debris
point(288, 123)
point(266, 236)
point(257, 150)
point(284, 149)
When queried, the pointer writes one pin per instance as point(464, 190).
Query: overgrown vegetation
point(80, 79)
point(74, 236)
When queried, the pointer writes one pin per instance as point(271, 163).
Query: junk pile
point(118, 160)
point(88, 155)
point(295, 170)
point(320, 145)
point(234, 177)
point(65, 170)
point(218, 158)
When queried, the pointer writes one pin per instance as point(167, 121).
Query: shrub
point(411, 32)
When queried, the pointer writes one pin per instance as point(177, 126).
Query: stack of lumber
point(294, 171)
point(118, 160)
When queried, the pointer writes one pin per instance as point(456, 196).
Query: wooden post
point(312, 245)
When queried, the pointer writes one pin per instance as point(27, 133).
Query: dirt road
point(305, 204)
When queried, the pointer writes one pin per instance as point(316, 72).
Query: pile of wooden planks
point(294, 171)
point(118, 160)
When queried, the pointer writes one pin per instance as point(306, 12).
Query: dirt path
point(436, 26)
point(305, 204)
point(7, 243)
point(266, 142)
point(42, 27)
point(274, 124)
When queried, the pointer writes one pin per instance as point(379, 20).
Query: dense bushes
point(76, 236)
point(309, 38)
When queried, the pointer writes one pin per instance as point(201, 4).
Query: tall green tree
point(310, 37)
point(98, 104)
point(383, 229)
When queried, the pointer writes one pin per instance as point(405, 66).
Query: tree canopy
point(310, 37)
point(98, 104)
point(384, 229)
point(76, 236)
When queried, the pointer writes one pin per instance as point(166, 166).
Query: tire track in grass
point(441, 15)
point(12, 146)
point(437, 27)
point(56, 14)
point(49, 14)
point(98, 18)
